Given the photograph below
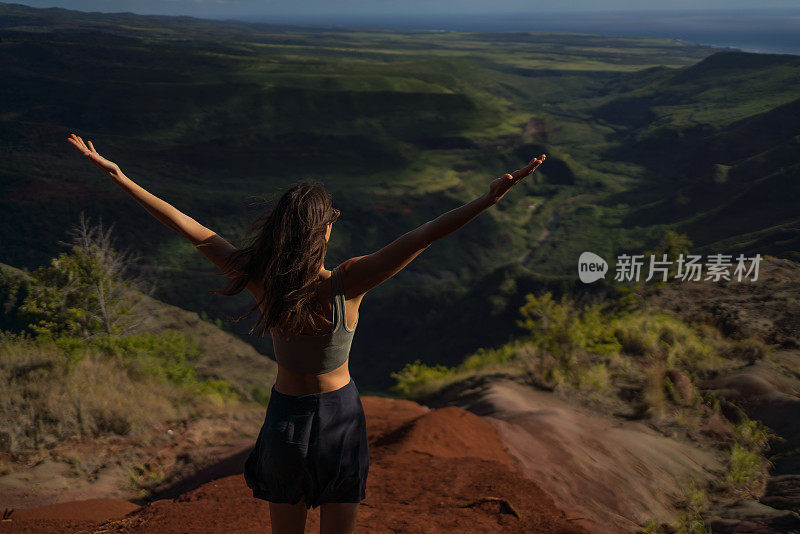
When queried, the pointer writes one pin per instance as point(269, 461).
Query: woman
point(312, 449)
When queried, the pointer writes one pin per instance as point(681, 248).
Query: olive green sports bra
point(319, 353)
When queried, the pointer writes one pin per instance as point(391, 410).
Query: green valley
point(643, 135)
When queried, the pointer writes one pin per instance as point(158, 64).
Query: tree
point(88, 291)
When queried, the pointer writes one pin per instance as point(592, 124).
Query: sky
point(238, 9)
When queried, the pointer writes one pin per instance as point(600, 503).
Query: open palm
point(109, 167)
point(500, 187)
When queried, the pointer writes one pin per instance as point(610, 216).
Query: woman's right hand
point(500, 187)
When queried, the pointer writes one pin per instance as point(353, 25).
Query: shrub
point(746, 463)
point(745, 468)
point(562, 330)
point(166, 355)
point(664, 335)
point(753, 434)
point(484, 357)
point(85, 292)
point(586, 347)
point(415, 374)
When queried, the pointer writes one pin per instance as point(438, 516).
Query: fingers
point(532, 166)
point(78, 142)
point(535, 162)
point(77, 145)
point(538, 161)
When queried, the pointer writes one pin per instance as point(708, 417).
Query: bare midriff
point(290, 382)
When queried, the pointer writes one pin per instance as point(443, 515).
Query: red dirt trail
point(431, 471)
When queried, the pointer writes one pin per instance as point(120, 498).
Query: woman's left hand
point(109, 167)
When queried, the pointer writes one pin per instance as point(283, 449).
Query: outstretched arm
point(211, 245)
point(366, 272)
point(451, 221)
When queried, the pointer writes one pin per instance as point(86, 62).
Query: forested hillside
point(215, 117)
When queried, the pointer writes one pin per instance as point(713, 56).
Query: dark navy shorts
point(311, 445)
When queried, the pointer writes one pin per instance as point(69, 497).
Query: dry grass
point(51, 393)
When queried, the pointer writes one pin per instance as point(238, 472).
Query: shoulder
point(346, 275)
point(346, 267)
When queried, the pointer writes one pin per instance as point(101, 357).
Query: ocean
point(751, 30)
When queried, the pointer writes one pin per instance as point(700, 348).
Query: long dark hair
point(284, 249)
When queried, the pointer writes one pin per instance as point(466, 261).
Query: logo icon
point(591, 267)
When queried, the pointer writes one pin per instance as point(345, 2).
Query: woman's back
point(323, 352)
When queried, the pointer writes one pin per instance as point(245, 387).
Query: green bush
point(661, 334)
point(84, 292)
point(744, 467)
point(417, 377)
point(587, 347)
point(412, 375)
point(484, 357)
point(167, 355)
point(562, 330)
point(753, 434)
point(746, 463)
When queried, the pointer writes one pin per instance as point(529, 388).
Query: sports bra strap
point(338, 298)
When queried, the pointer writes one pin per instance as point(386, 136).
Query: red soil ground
point(430, 471)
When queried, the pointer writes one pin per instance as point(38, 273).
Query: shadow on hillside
point(230, 463)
